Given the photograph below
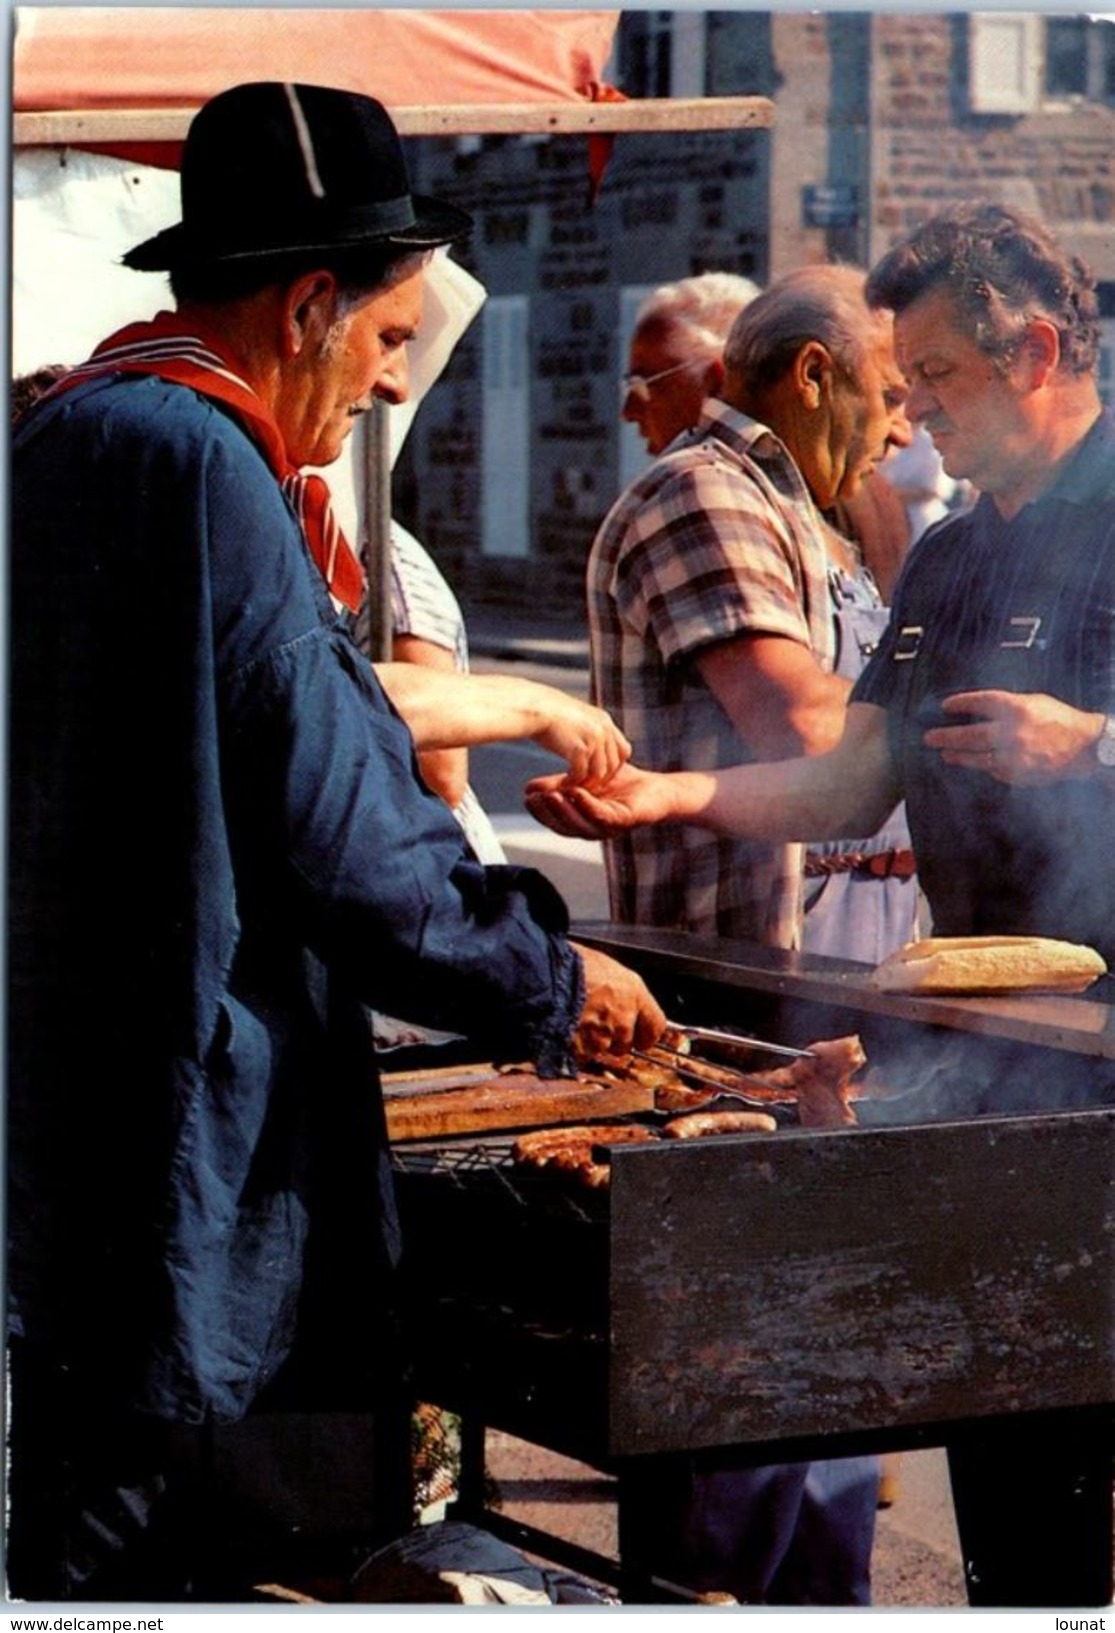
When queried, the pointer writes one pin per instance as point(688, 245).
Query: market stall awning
point(134, 75)
point(138, 57)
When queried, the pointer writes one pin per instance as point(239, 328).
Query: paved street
point(917, 1561)
point(500, 772)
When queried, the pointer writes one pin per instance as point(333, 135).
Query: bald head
point(810, 359)
point(822, 304)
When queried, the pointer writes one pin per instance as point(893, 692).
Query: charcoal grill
point(809, 1293)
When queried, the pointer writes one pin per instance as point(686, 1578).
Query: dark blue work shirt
point(220, 851)
point(1026, 605)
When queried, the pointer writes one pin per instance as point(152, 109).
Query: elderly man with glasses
point(679, 337)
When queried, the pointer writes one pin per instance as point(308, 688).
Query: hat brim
point(436, 223)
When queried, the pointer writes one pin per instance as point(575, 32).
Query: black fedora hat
point(275, 169)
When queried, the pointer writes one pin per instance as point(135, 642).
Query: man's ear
point(309, 311)
point(812, 374)
point(1041, 350)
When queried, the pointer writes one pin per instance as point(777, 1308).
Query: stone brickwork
point(820, 140)
point(669, 206)
point(930, 148)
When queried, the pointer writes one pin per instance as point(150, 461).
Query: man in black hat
point(222, 853)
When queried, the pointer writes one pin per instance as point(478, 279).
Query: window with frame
point(1080, 58)
point(662, 53)
point(1019, 62)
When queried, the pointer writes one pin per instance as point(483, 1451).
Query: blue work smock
point(220, 851)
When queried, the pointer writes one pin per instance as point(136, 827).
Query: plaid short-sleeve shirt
point(718, 538)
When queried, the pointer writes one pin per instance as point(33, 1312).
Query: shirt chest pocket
point(1067, 651)
point(1016, 652)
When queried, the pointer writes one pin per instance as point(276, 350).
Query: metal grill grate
point(487, 1167)
point(453, 1161)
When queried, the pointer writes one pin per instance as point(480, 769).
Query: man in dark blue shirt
point(990, 707)
point(221, 852)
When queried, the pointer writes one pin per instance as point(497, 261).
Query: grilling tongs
point(707, 1034)
point(690, 1066)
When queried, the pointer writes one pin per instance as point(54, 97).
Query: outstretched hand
point(454, 711)
point(1017, 737)
point(630, 798)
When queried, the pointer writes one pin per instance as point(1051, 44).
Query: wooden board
point(436, 1079)
point(512, 1101)
point(75, 127)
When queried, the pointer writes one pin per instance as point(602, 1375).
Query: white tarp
point(75, 214)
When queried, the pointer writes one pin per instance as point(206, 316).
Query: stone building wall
point(874, 129)
point(669, 205)
point(820, 141)
point(930, 148)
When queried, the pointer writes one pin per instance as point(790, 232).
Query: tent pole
point(376, 531)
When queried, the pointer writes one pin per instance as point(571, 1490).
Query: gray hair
point(705, 306)
point(823, 303)
point(355, 285)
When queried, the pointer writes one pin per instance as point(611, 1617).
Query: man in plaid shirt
point(713, 640)
point(708, 600)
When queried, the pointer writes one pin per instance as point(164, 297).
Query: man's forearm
point(814, 722)
point(777, 696)
point(462, 711)
point(851, 790)
point(848, 790)
point(787, 800)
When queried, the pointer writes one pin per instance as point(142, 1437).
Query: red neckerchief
point(188, 356)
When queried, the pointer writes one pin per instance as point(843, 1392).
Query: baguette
point(988, 965)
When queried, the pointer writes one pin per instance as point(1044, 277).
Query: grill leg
point(1033, 1509)
point(647, 1491)
point(470, 1504)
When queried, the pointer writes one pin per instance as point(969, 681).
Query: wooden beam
point(112, 125)
point(595, 118)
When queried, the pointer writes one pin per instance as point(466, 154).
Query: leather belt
point(880, 865)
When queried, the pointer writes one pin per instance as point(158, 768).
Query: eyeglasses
point(638, 385)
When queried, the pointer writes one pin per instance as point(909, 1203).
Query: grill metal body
point(809, 1293)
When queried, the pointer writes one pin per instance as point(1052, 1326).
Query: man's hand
point(586, 738)
point(1018, 737)
point(619, 1014)
point(632, 798)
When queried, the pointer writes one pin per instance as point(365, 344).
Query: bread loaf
point(988, 965)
